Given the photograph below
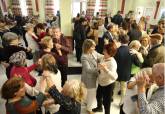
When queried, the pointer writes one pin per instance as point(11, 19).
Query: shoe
point(97, 109)
point(119, 93)
point(111, 99)
point(90, 112)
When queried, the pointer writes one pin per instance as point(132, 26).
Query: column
point(122, 6)
point(42, 15)
point(35, 12)
point(157, 7)
point(3, 6)
point(66, 17)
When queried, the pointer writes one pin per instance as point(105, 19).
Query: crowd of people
point(112, 50)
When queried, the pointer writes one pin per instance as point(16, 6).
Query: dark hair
point(110, 26)
point(134, 26)
point(40, 25)
point(95, 25)
point(78, 15)
point(47, 30)
point(111, 48)
point(125, 25)
point(124, 38)
point(118, 12)
point(82, 20)
point(11, 86)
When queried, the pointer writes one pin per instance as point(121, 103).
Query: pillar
point(122, 6)
point(42, 15)
point(66, 17)
point(34, 2)
point(157, 7)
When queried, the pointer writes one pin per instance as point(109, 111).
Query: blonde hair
point(48, 63)
point(76, 90)
point(88, 43)
point(134, 43)
point(29, 26)
point(145, 36)
point(45, 42)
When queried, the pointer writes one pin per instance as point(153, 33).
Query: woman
point(46, 46)
point(11, 45)
point(48, 64)
point(143, 23)
point(145, 45)
point(18, 60)
point(49, 32)
point(134, 50)
point(89, 60)
point(17, 101)
point(71, 96)
point(39, 29)
point(31, 38)
point(106, 78)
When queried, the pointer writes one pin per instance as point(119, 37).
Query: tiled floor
point(72, 62)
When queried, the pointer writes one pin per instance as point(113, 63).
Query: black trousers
point(121, 110)
point(63, 69)
point(78, 53)
point(104, 96)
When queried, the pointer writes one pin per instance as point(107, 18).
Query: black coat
point(134, 34)
point(79, 35)
point(124, 61)
point(7, 51)
point(117, 19)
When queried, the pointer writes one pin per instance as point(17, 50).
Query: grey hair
point(158, 69)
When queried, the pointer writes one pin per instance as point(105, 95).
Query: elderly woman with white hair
point(134, 50)
point(156, 104)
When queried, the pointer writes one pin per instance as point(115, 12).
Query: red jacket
point(24, 72)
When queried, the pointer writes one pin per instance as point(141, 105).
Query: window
point(23, 7)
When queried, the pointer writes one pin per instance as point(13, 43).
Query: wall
point(115, 5)
point(66, 16)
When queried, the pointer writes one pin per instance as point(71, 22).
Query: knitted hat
point(18, 58)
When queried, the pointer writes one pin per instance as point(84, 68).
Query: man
point(117, 19)
point(107, 37)
point(157, 51)
point(79, 36)
point(61, 48)
point(156, 104)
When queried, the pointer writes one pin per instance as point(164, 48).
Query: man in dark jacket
point(79, 37)
point(124, 61)
point(117, 19)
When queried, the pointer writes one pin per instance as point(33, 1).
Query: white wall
point(115, 5)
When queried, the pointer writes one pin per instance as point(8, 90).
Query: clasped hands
point(58, 46)
point(102, 66)
point(142, 79)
